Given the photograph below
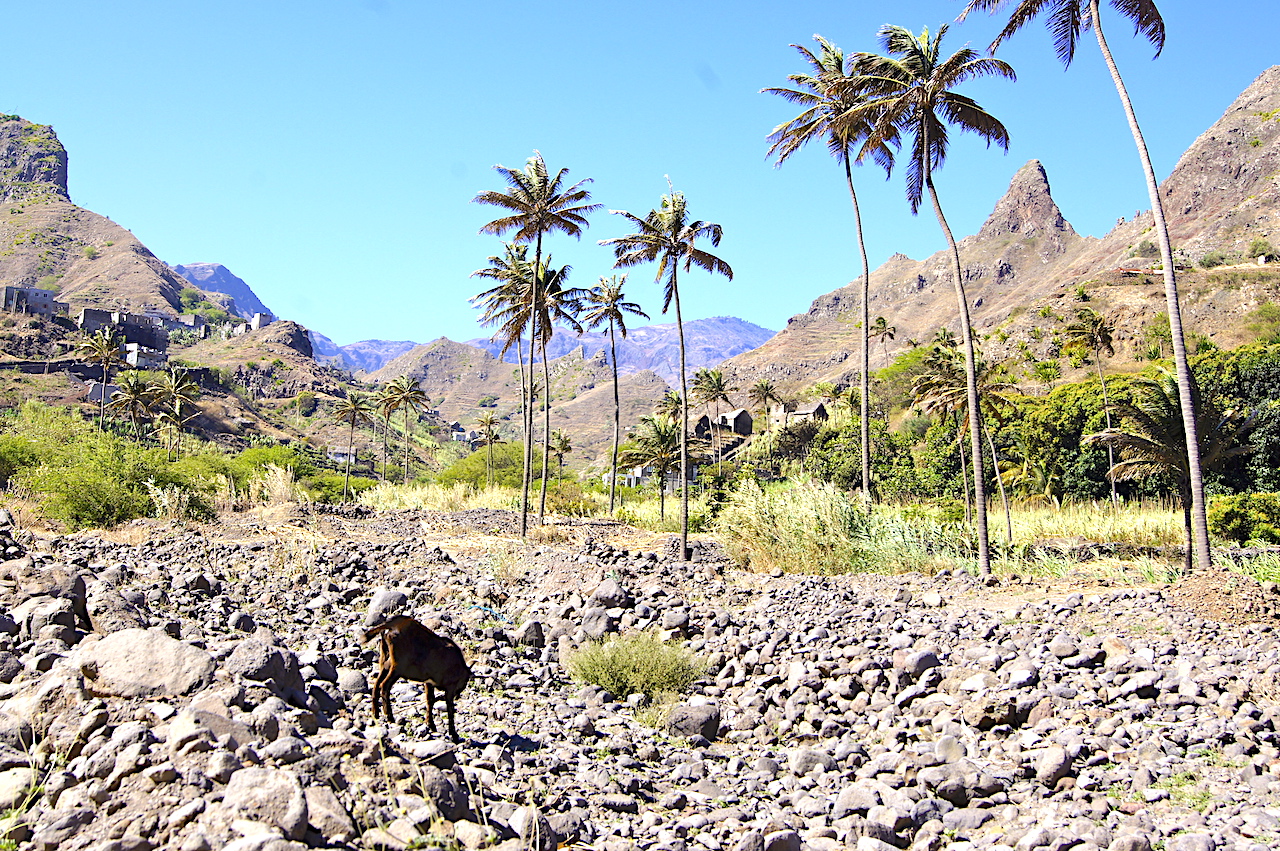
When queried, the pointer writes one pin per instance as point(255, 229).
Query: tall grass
point(457, 497)
point(646, 513)
point(1145, 523)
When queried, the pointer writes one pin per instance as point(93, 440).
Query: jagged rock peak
point(33, 163)
point(1027, 209)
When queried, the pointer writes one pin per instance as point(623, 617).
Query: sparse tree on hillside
point(1065, 20)
point(710, 388)
point(386, 403)
point(536, 204)
point(762, 395)
point(356, 409)
point(1094, 331)
point(910, 91)
point(410, 398)
point(135, 397)
point(488, 425)
point(175, 393)
point(668, 237)
point(103, 350)
point(883, 331)
point(605, 303)
point(560, 447)
point(668, 405)
point(830, 93)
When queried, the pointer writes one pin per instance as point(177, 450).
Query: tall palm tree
point(411, 399)
point(668, 237)
point(510, 305)
point(554, 303)
point(1094, 331)
point(912, 93)
point(488, 425)
point(356, 409)
point(536, 203)
point(1152, 441)
point(763, 394)
point(386, 402)
point(605, 304)
point(103, 350)
point(711, 388)
point(1065, 19)
point(135, 396)
point(831, 93)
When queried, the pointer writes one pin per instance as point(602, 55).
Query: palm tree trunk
point(684, 427)
point(970, 373)
point(1106, 411)
point(351, 441)
point(546, 430)
point(1186, 381)
point(864, 387)
point(406, 444)
point(617, 419)
point(1004, 499)
point(527, 417)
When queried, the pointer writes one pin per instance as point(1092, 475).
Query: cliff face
point(47, 241)
point(216, 278)
point(33, 163)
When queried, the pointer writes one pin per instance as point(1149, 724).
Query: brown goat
point(411, 651)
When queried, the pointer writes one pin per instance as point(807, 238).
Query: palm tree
point(666, 236)
point(560, 447)
point(536, 203)
point(135, 396)
point(913, 93)
point(669, 405)
point(410, 398)
point(659, 443)
point(605, 304)
point(386, 403)
point(1094, 331)
point(1153, 442)
point(1065, 19)
point(554, 303)
point(102, 349)
point(356, 409)
point(763, 394)
point(488, 425)
point(710, 388)
point(830, 94)
point(175, 392)
point(510, 305)
point(943, 387)
point(882, 330)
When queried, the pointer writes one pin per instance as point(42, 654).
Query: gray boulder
point(144, 663)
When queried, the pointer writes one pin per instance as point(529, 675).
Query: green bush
point(1246, 517)
point(328, 487)
point(569, 499)
point(306, 403)
point(508, 467)
point(639, 663)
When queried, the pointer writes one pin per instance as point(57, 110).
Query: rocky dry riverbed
point(206, 688)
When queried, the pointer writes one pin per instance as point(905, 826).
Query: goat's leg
point(377, 690)
point(430, 693)
point(390, 679)
point(448, 705)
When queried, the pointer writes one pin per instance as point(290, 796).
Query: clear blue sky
point(327, 151)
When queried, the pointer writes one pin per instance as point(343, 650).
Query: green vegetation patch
point(638, 663)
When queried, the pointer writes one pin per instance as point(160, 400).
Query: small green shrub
point(1246, 517)
point(639, 663)
point(89, 252)
point(328, 487)
point(1263, 248)
point(1146, 248)
point(1212, 259)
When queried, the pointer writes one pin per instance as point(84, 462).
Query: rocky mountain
point(708, 342)
point(1026, 268)
point(464, 382)
point(47, 240)
point(216, 278)
point(365, 356)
